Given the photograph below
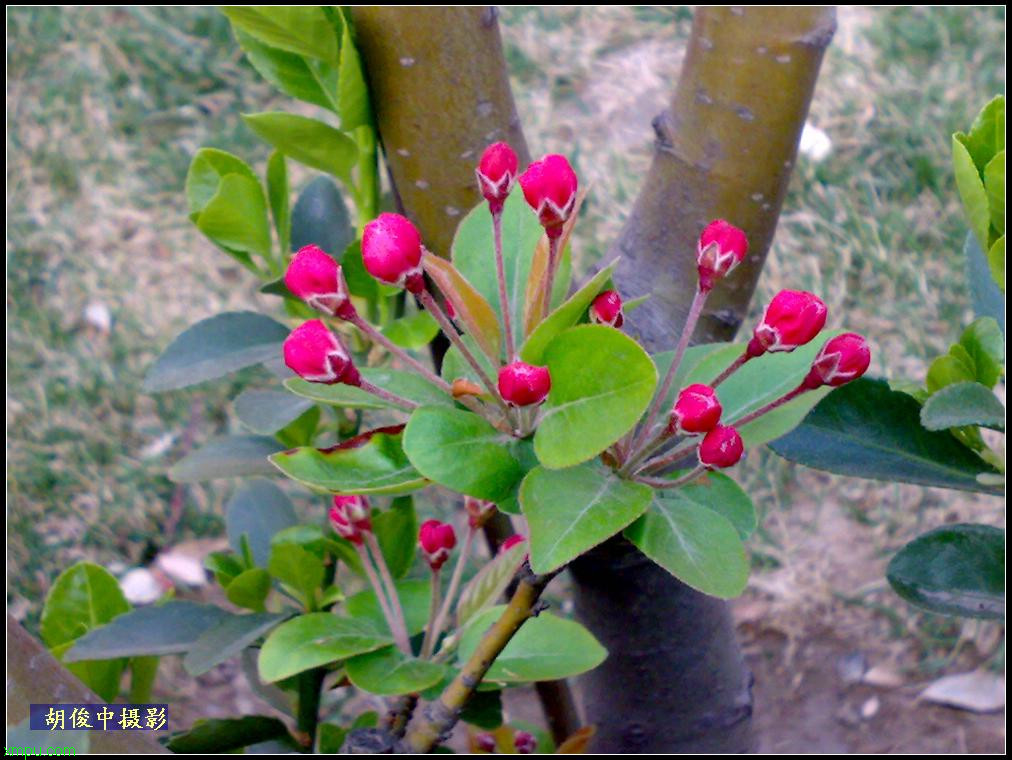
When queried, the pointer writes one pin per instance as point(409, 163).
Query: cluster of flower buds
point(697, 410)
point(315, 354)
point(349, 517)
point(478, 511)
point(437, 540)
point(524, 742)
point(523, 384)
point(607, 309)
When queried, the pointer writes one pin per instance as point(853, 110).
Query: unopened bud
point(510, 542)
point(523, 384)
point(793, 318)
point(497, 171)
point(524, 742)
point(349, 517)
point(485, 742)
point(315, 354)
point(316, 278)
point(696, 410)
point(844, 358)
point(549, 186)
point(607, 309)
point(437, 540)
point(478, 511)
point(721, 447)
point(721, 248)
point(392, 251)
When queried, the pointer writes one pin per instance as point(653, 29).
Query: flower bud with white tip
point(437, 540)
point(392, 251)
point(315, 354)
point(350, 517)
point(792, 319)
point(523, 384)
point(696, 410)
point(721, 447)
point(721, 248)
point(496, 172)
point(316, 278)
point(844, 358)
point(549, 187)
point(607, 309)
point(478, 511)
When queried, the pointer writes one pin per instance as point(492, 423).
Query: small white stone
point(97, 315)
point(815, 143)
point(182, 568)
point(870, 708)
point(977, 691)
point(140, 586)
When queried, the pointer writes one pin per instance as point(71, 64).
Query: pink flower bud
point(696, 410)
point(392, 251)
point(317, 279)
point(721, 447)
point(510, 542)
point(478, 511)
point(524, 742)
point(485, 742)
point(721, 248)
point(315, 354)
point(349, 516)
point(437, 540)
point(792, 319)
point(497, 171)
point(549, 186)
point(607, 309)
point(524, 384)
point(844, 358)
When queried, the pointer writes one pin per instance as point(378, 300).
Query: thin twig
point(451, 592)
point(377, 337)
point(500, 270)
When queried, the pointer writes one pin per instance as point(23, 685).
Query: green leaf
point(414, 594)
point(413, 331)
point(235, 219)
point(720, 493)
point(963, 404)
point(996, 263)
point(396, 531)
point(249, 589)
point(360, 282)
point(258, 510)
point(473, 251)
point(955, 367)
point(483, 710)
point(170, 628)
point(378, 466)
point(214, 347)
point(227, 457)
point(474, 312)
point(301, 29)
point(225, 566)
point(208, 167)
point(985, 345)
point(219, 735)
point(462, 451)
point(389, 672)
point(571, 511)
point(321, 218)
point(277, 196)
point(83, 598)
point(987, 133)
point(407, 385)
point(312, 640)
point(985, 294)
point(696, 545)
point(227, 639)
point(602, 382)
point(545, 648)
point(489, 583)
point(308, 141)
point(866, 430)
point(297, 568)
point(289, 72)
point(352, 90)
point(971, 190)
point(565, 316)
point(953, 570)
point(330, 738)
point(994, 184)
point(267, 412)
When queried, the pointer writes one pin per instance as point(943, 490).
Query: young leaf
point(414, 595)
point(996, 263)
point(573, 510)
point(473, 310)
point(462, 451)
point(396, 531)
point(249, 589)
point(309, 641)
point(258, 510)
point(289, 72)
point(953, 570)
point(227, 639)
point(215, 347)
point(352, 90)
point(963, 404)
point(413, 331)
point(226, 457)
point(235, 219)
point(985, 346)
point(296, 568)
point(602, 382)
point(208, 167)
point(301, 29)
point(389, 672)
point(321, 218)
point(994, 183)
point(698, 546)
point(490, 582)
point(277, 196)
point(545, 648)
point(867, 430)
point(308, 141)
point(971, 191)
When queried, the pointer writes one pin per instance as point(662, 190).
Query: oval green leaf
point(312, 640)
point(227, 639)
point(963, 404)
point(389, 672)
point(227, 457)
point(308, 141)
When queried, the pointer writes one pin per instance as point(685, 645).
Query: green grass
point(106, 107)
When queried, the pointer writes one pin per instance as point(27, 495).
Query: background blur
point(105, 108)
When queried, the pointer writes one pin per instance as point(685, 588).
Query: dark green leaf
point(267, 412)
point(224, 565)
point(308, 141)
point(866, 430)
point(227, 639)
point(953, 570)
point(963, 404)
point(483, 710)
point(312, 640)
point(320, 217)
point(215, 347)
point(388, 672)
point(330, 738)
point(987, 297)
point(258, 510)
point(216, 735)
point(227, 457)
point(396, 530)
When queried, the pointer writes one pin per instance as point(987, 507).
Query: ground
point(105, 108)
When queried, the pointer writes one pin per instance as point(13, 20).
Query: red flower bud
point(317, 279)
point(510, 542)
point(485, 742)
point(696, 410)
point(437, 539)
point(497, 171)
point(607, 309)
point(524, 384)
point(478, 511)
point(721, 447)
point(524, 742)
point(844, 358)
point(721, 248)
point(349, 516)
point(549, 186)
point(315, 354)
point(392, 251)
point(792, 319)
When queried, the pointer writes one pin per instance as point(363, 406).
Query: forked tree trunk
point(674, 680)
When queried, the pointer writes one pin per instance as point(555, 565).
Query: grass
point(106, 107)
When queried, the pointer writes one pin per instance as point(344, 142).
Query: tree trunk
point(675, 680)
